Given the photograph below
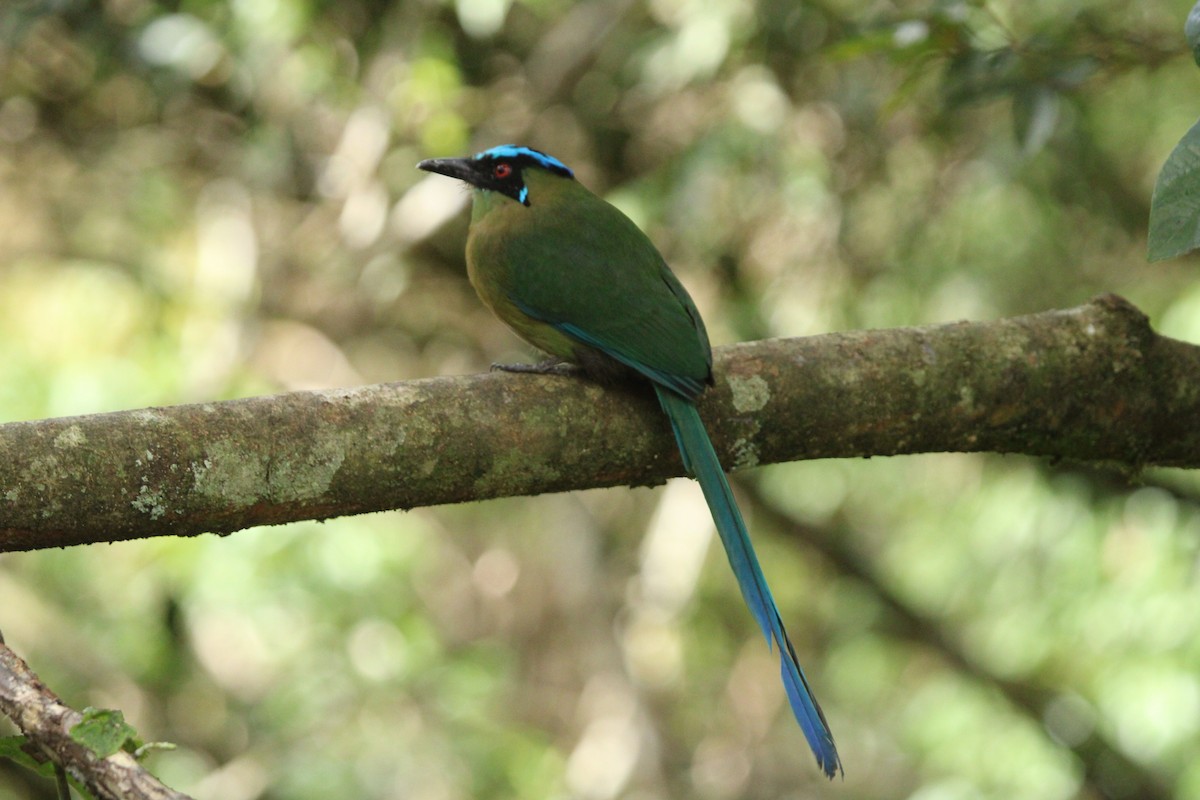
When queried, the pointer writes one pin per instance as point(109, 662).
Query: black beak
point(461, 168)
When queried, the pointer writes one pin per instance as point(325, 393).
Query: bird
point(575, 277)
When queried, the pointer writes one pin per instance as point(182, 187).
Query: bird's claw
point(551, 366)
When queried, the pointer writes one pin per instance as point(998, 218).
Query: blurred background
point(204, 200)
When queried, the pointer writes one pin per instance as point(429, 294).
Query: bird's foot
point(551, 366)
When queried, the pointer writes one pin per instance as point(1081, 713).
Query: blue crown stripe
point(516, 151)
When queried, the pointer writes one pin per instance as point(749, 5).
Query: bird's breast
point(493, 273)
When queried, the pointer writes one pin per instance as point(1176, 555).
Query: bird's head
point(503, 169)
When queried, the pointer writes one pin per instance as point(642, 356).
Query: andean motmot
point(575, 277)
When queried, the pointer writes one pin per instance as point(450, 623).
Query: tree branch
point(1089, 383)
point(46, 722)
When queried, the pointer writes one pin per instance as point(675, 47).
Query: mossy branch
point(1089, 383)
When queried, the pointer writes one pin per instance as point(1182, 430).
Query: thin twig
point(47, 722)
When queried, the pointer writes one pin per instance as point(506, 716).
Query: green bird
point(575, 277)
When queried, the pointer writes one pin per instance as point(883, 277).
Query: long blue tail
point(700, 459)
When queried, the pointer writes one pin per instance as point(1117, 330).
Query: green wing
point(592, 274)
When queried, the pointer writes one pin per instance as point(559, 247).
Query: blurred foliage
point(203, 200)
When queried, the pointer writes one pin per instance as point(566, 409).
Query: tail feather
point(701, 460)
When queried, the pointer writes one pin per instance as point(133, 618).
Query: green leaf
point(103, 731)
point(1191, 30)
point(13, 748)
point(1175, 207)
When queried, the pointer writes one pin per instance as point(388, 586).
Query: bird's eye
point(502, 170)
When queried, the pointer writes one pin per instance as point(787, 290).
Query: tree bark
point(1092, 383)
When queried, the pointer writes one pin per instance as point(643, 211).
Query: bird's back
point(570, 269)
